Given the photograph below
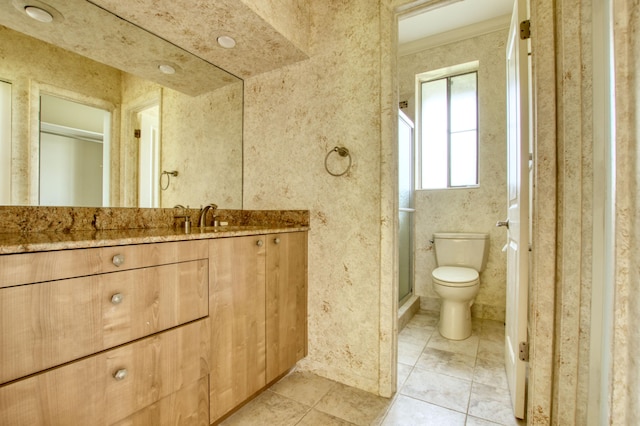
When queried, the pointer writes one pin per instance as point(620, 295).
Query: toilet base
point(455, 320)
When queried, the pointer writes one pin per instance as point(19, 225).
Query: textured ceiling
point(92, 31)
point(196, 27)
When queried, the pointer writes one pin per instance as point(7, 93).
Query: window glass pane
point(464, 165)
point(434, 134)
point(463, 103)
point(405, 162)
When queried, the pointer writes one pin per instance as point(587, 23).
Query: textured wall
point(293, 117)
point(625, 404)
point(467, 210)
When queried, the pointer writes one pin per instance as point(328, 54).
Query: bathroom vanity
point(148, 326)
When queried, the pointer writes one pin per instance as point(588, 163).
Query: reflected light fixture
point(226, 42)
point(166, 69)
point(38, 14)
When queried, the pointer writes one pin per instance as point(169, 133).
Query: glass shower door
point(406, 207)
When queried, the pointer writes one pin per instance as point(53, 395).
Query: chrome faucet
point(203, 214)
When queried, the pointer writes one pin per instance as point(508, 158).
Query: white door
point(518, 206)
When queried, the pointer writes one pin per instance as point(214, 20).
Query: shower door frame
point(410, 211)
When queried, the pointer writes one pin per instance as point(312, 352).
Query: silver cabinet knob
point(276, 240)
point(259, 243)
point(118, 259)
point(117, 298)
point(120, 374)
point(503, 223)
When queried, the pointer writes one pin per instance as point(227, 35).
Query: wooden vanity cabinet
point(286, 287)
point(101, 336)
point(258, 314)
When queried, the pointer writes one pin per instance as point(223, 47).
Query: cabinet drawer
point(187, 407)
point(27, 268)
point(87, 391)
point(50, 323)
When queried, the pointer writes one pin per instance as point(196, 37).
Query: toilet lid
point(455, 275)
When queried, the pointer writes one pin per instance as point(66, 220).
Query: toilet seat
point(455, 276)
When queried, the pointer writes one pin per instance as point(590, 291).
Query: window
point(448, 128)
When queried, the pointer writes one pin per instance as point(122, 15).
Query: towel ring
point(173, 173)
point(342, 152)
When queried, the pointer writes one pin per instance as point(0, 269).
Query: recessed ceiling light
point(38, 14)
point(226, 42)
point(166, 69)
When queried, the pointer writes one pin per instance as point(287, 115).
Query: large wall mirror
point(122, 135)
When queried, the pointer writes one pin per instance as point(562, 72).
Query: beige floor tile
point(318, 418)
point(416, 335)
point(475, 421)
point(493, 350)
point(409, 411)
point(490, 372)
point(354, 405)
point(449, 363)
point(403, 372)
point(435, 388)
point(491, 403)
point(408, 353)
point(268, 409)
point(468, 346)
point(424, 319)
point(303, 387)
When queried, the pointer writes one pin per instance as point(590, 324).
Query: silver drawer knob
point(118, 259)
point(276, 240)
point(121, 374)
point(259, 243)
point(117, 298)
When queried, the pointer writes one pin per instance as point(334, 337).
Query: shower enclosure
point(406, 207)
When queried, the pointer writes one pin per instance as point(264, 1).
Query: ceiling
point(454, 15)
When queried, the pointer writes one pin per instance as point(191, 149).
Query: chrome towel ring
point(173, 173)
point(342, 152)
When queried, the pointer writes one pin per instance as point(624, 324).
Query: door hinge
point(136, 133)
point(524, 351)
point(525, 29)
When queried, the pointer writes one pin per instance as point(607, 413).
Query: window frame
point(439, 74)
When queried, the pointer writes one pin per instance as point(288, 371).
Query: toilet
point(460, 258)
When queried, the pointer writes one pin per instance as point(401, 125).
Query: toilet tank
point(462, 249)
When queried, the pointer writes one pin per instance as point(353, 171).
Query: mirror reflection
point(73, 147)
point(146, 129)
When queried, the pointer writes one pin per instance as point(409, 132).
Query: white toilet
point(460, 257)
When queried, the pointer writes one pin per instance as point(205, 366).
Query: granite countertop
point(12, 243)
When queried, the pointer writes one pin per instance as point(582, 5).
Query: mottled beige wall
point(293, 117)
point(475, 209)
point(291, 18)
point(575, 211)
point(544, 215)
point(201, 139)
point(32, 66)
point(625, 377)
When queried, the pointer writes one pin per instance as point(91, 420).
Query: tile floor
point(440, 382)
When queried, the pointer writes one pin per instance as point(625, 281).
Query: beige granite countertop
point(12, 243)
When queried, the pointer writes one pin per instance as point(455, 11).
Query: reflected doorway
point(148, 134)
point(74, 154)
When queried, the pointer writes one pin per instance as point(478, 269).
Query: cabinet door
point(237, 315)
point(286, 301)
